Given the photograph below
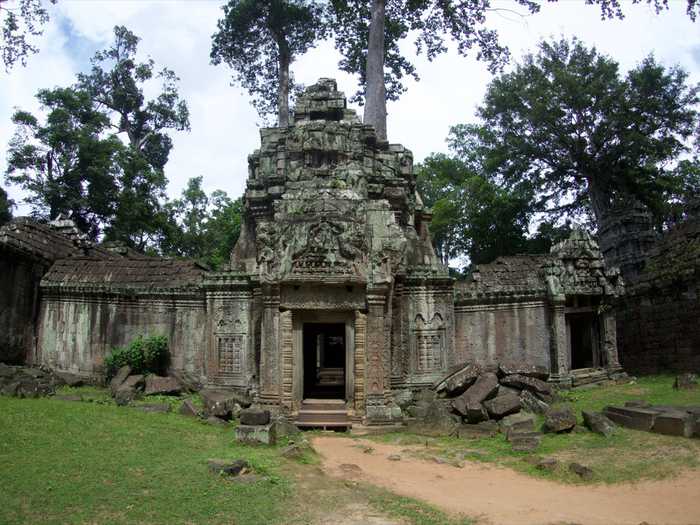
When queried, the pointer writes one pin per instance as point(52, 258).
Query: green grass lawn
point(93, 462)
point(70, 462)
point(629, 455)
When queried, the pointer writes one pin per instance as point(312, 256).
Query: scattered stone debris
point(20, 381)
point(68, 397)
point(559, 419)
point(547, 464)
point(686, 381)
point(517, 423)
point(222, 403)
point(255, 427)
point(478, 430)
point(582, 471)
point(394, 457)
point(163, 386)
point(129, 389)
point(296, 449)
point(72, 380)
point(228, 467)
point(598, 423)
point(683, 421)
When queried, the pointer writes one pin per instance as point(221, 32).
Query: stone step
point(320, 416)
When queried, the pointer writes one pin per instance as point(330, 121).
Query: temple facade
point(333, 291)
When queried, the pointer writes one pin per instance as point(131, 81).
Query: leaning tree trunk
point(375, 91)
point(283, 88)
point(600, 202)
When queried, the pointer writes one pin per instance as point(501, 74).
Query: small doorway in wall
point(324, 348)
point(583, 340)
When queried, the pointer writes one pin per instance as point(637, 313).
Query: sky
point(225, 127)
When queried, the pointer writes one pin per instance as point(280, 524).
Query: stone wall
point(76, 332)
point(659, 318)
point(509, 332)
point(19, 298)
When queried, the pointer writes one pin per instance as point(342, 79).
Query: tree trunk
point(283, 88)
point(375, 91)
point(599, 202)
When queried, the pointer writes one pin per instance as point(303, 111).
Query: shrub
point(143, 354)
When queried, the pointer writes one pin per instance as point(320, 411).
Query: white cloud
point(177, 34)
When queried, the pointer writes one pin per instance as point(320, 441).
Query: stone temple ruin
point(333, 291)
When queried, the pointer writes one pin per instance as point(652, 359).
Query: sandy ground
point(500, 496)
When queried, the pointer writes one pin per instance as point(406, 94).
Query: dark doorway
point(324, 360)
point(584, 341)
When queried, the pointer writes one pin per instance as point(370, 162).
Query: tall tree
point(21, 20)
point(5, 207)
point(259, 39)
point(202, 227)
point(580, 135)
point(116, 86)
point(473, 218)
point(368, 33)
point(66, 163)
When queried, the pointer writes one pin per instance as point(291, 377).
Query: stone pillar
point(559, 343)
point(609, 325)
point(270, 373)
point(376, 374)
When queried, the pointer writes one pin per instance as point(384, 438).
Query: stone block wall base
point(254, 434)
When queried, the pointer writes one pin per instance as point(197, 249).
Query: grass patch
point(628, 455)
point(68, 462)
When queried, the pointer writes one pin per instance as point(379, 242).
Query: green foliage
point(143, 355)
point(259, 39)
point(572, 131)
point(67, 163)
point(475, 218)
point(6, 205)
point(128, 467)
point(75, 162)
point(22, 19)
point(202, 227)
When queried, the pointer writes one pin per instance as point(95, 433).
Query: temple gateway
point(333, 294)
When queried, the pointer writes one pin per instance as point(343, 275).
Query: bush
point(143, 355)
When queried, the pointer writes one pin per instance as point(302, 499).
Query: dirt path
point(501, 496)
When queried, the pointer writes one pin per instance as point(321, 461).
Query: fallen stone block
point(6, 370)
point(254, 416)
point(484, 388)
point(674, 424)
point(129, 390)
point(547, 464)
point(163, 386)
point(538, 372)
point(517, 423)
point(295, 450)
point(227, 467)
point(458, 380)
point(637, 403)
point(686, 381)
point(582, 471)
point(189, 409)
point(69, 379)
point(68, 398)
point(284, 428)
point(532, 384)
point(634, 418)
point(560, 419)
point(501, 406)
point(478, 430)
point(119, 378)
point(435, 418)
point(532, 403)
point(255, 434)
point(525, 442)
point(221, 403)
point(598, 423)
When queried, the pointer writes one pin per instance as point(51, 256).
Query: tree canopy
point(581, 136)
point(368, 35)
point(5, 207)
point(21, 20)
point(101, 151)
point(203, 227)
point(259, 39)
